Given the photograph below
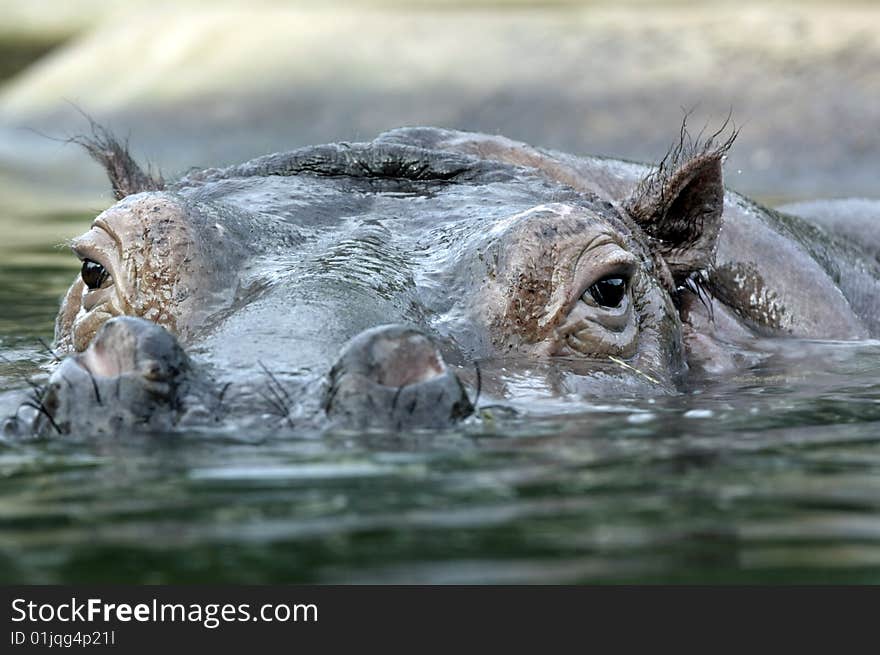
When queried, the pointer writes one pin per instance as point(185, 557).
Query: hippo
point(394, 284)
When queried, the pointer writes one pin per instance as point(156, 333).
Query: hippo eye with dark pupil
point(608, 292)
point(93, 274)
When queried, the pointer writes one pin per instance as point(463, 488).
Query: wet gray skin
point(363, 285)
point(853, 218)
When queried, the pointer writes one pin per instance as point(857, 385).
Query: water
point(771, 476)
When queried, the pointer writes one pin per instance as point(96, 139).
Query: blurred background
point(203, 83)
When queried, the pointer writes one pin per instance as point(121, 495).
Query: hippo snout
point(394, 377)
point(133, 375)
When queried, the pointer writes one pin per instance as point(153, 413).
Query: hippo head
point(475, 258)
point(133, 376)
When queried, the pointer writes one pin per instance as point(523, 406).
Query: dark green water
point(772, 476)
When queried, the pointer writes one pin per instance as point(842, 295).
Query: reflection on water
point(770, 476)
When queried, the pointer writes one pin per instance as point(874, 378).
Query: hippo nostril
point(126, 345)
point(406, 360)
point(394, 377)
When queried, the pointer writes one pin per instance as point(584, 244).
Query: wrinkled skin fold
point(386, 285)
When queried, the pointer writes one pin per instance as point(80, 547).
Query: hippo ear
point(126, 176)
point(679, 206)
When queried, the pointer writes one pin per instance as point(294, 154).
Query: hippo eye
point(93, 274)
point(608, 292)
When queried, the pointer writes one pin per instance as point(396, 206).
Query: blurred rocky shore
point(212, 83)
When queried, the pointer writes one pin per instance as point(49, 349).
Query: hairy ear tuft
point(126, 176)
point(679, 205)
